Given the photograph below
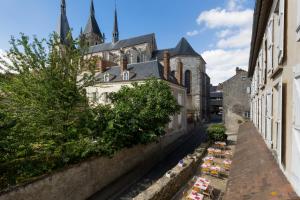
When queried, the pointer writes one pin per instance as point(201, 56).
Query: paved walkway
point(254, 173)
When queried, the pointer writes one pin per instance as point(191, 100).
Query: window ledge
point(276, 72)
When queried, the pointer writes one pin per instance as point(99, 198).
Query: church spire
point(115, 34)
point(92, 31)
point(92, 8)
point(63, 28)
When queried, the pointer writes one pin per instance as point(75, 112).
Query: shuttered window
point(298, 21)
point(269, 117)
point(295, 158)
point(281, 22)
point(270, 43)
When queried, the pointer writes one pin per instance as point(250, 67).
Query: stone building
point(236, 100)
point(274, 67)
point(142, 49)
point(111, 79)
point(216, 103)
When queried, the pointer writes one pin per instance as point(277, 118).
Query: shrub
point(217, 132)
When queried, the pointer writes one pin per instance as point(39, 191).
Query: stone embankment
point(167, 186)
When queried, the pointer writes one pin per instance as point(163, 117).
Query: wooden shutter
point(298, 21)
point(263, 116)
point(295, 160)
point(281, 31)
point(279, 120)
point(269, 117)
point(270, 43)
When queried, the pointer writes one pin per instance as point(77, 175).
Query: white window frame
point(126, 75)
point(106, 77)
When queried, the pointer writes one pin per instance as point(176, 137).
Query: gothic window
point(126, 75)
point(187, 81)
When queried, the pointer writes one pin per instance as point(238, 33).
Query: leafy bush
point(46, 122)
point(217, 132)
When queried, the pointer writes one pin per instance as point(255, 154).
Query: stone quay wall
point(82, 180)
point(166, 187)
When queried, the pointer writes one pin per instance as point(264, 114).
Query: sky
point(219, 30)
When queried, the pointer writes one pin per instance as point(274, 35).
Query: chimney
point(179, 71)
point(238, 70)
point(166, 64)
point(101, 65)
point(123, 63)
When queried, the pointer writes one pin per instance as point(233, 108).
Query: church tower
point(115, 34)
point(63, 28)
point(92, 31)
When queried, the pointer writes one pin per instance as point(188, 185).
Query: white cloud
point(218, 18)
point(221, 63)
point(224, 33)
point(192, 33)
point(235, 4)
point(241, 39)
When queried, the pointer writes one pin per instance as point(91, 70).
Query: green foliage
point(139, 113)
point(217, 132)
point(46, 122)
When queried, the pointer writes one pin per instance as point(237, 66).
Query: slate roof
point(63, 28)
point(137, 72)
point(150, 38)
point(92, 25)
point(183, 48)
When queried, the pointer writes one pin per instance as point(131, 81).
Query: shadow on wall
point(233, 118)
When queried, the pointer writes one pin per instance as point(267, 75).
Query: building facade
point(216, 103)
point(236, 100)
point(274, 67)
point(113, 78)
point(143, 49)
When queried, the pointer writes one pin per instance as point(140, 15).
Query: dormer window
point(106, 77)
point(126, 76)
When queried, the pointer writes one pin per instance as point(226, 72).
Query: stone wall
point(165, 188)
point(87, 178)
point(236, 100)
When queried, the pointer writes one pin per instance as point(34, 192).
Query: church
point(122, 61)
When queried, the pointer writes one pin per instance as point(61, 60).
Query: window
point(270, 44)
point(187, 81)
point(248, 90)
point(298, 21)
point(126, 75)
point(173, 73)
point(106, 77)
point(94, 96)
point(138, 59)
point(280, 45)
point(244, 78)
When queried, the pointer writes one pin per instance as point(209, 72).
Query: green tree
point(45, 118)
point(43, 104)
point(139, 113)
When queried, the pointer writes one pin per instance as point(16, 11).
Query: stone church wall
point(197, 67)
